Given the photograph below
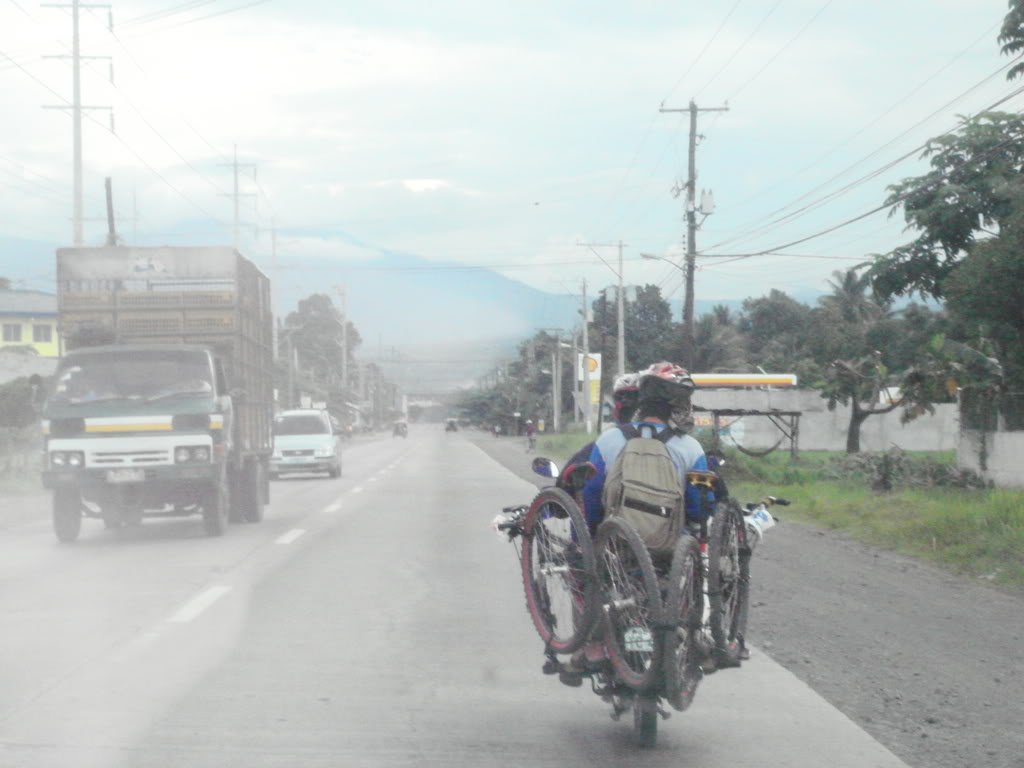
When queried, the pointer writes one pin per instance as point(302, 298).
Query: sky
point(492, 134)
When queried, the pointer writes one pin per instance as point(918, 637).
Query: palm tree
point(853, 299)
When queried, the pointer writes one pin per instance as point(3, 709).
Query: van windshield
point(300, 424)
point(133, 375)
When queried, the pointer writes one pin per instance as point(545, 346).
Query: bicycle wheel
point(728, 590)
point(632, 604)
point(559, 571)
point(684, 609)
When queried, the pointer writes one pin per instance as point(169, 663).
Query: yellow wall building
point(29, 318)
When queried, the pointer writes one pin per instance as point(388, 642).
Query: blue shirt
point(686, 454)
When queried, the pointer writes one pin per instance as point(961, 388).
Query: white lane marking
point(373, 479)
point(199, 603)
point(292, 535)
point(357, 489)
point(330, 508)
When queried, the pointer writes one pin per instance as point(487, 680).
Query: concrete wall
point(824, 430)
point(1004, 454)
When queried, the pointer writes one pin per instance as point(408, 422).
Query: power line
point(703, 50)
point(888, 166)
point(739, 50)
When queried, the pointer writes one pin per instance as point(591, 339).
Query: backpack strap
point(665, 435)
point(629, 431)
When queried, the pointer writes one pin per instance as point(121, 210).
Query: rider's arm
point(690, 455)
point(593, 510)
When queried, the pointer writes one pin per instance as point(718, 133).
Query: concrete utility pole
point(235, 194)
point(587, 405)
point(621, 333)
point(344, 337)
point(111, 230)
point(691, 227)
point(621, 350)
point(77, 109)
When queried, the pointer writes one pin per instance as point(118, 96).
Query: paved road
point(372, 620)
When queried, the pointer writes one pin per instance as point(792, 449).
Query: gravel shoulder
point(928, 663)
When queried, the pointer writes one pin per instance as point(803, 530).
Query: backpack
point(642, 487)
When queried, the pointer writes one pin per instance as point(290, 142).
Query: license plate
point(638, 640)
point(126, 475)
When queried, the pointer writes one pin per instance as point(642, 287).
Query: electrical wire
point(868, 177)
point(739, 50)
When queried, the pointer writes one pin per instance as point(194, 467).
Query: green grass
point(974, 532)
point(560, 447)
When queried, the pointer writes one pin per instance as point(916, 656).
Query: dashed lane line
point(290, 536)
point(357, 489)
point(199, 603)
point(331, 508)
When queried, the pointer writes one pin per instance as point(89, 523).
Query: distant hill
point(405, 307)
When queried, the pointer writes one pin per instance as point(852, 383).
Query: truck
point(162, 404)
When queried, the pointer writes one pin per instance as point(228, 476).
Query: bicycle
point(576, 589)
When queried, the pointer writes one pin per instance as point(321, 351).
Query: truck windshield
point(132, 375)
point(300, 425)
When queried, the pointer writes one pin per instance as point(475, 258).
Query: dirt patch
point(928, 663)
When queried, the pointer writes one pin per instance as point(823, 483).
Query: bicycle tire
point(559, 571)
point(632, 604)
point(684, 610)
point(727, 592)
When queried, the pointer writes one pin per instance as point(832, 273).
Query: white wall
point(1004, 460)
point(824, 430)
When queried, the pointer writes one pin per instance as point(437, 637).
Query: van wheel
point(67, 514)
point(215, 509)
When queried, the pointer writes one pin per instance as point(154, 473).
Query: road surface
point(374, 620)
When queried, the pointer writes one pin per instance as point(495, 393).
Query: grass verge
point(977, 532)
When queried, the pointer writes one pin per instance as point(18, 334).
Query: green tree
point(776, 327)
point(314, 329)
point(973, 188)
point(1011, 36)
point(718, 344)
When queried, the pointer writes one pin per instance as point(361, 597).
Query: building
point(29, 319)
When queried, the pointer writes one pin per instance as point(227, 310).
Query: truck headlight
point(324, 452)
point(201, 453)
point(75, 459)
point(182, 455)
point(58, 459)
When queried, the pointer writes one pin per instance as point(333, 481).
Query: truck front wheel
point(215, 509)
point(67, 514)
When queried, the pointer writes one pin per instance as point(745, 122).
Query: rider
point(663, 402)
point(663, 394)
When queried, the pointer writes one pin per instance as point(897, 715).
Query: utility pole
point(274, 290)
point(111, 231)
point(235, 194)
point(691, 227)
point(76, 112)
point(621, 322)
point(621, 349)
point(344, 338)
point(587, 405)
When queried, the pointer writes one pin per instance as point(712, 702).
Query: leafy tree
point(650, 332)
point(1011, 37)
point(973, 188)
point(858, 383)
point(776, 327)
point(315, 331)
point(718, 344)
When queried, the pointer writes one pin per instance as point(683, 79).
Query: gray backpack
point(642, 487)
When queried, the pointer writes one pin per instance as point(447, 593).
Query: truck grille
point(129, 458)
point(298, 453)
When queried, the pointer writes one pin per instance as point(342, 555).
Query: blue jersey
point(686, 454)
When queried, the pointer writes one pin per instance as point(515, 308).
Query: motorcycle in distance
point(401, 429)
point(605, 595)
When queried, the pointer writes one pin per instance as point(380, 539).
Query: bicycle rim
point(558, 571)
point(632, 604)
point(684, 608)
point(726, 588)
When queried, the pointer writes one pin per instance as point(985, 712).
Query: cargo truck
point(163, 403)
